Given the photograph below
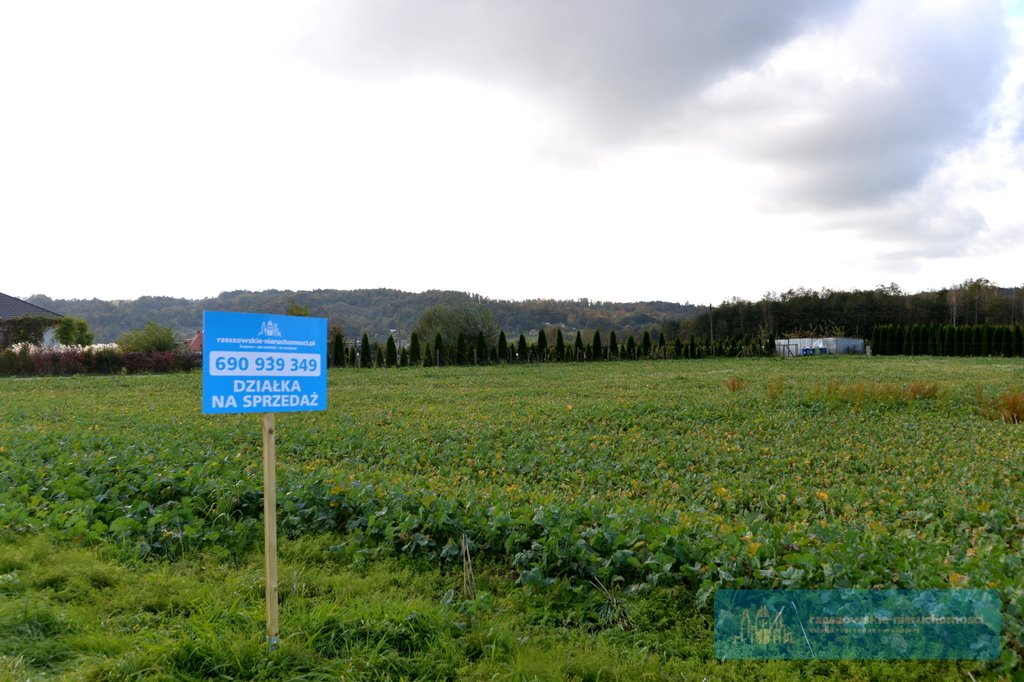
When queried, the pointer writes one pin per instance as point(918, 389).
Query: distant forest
point(803, 312)
point(732, 326)
point(378, 313)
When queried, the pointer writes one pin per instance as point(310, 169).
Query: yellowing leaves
point(958, 579)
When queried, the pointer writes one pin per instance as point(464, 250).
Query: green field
point(600, 506)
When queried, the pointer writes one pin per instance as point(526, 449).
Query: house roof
point(11, 308)
point(195, 343)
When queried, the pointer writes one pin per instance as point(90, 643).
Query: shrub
point(152, 337)
point(74, 332)
point(27, 359)
point(103, 360)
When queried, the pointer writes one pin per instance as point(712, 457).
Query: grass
point(545, 522)
point(200, 619)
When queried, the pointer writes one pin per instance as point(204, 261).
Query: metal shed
point(824, 345)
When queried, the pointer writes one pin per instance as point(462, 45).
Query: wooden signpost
point(270, 529)
point(265, 364)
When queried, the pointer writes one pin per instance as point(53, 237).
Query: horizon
point(594, 301)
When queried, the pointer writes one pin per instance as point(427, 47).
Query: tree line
point(377, 312)
point(932, 339)
point(584, 346)
point(976, 317)
point(803, 312)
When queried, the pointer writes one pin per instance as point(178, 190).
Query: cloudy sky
point(620, 151)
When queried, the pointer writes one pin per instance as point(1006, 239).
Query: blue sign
point(858, 624)
point(263, 363)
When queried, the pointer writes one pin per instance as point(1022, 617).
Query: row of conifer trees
point(440, 352)
point(886, 339)
point(960, 340)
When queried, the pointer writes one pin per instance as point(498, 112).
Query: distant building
point(14, 308)
point(824, 345)
point(194, 343)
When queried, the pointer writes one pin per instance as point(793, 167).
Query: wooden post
point(270, 528)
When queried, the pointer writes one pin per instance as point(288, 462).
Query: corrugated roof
point(11, 308)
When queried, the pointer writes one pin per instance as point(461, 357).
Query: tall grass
point(862, 393)
point(1007, 407)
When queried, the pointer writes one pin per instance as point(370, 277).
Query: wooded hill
point(376, 312)
point(380, 313)
point(802, 312)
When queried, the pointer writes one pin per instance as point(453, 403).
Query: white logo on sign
point(269, 328)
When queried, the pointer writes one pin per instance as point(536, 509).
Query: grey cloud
point(928, 225)
point(615, 68)
point(868, 142)
point(699, 70)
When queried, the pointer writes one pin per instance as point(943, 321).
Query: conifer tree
point(559, 346)
point(391, 353)
point(578, 346)
point(428, 356)
point(631, 348)
point(542, 346)
point(645, 344)
point(365, 357)
point(338, 349)
point(523, 350)
point(461, 350)
point(503, 351)
point(439, 356)
point(613, 346)
point(597, 352)
point(482, 357)
point(415, 357)
point(896, 339)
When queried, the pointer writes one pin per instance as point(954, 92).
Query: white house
point(14, 308)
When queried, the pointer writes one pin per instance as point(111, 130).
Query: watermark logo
point(270, 329)
point(764, 627)
point(837, 624)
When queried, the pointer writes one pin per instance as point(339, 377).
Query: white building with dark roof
point(12, 308)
